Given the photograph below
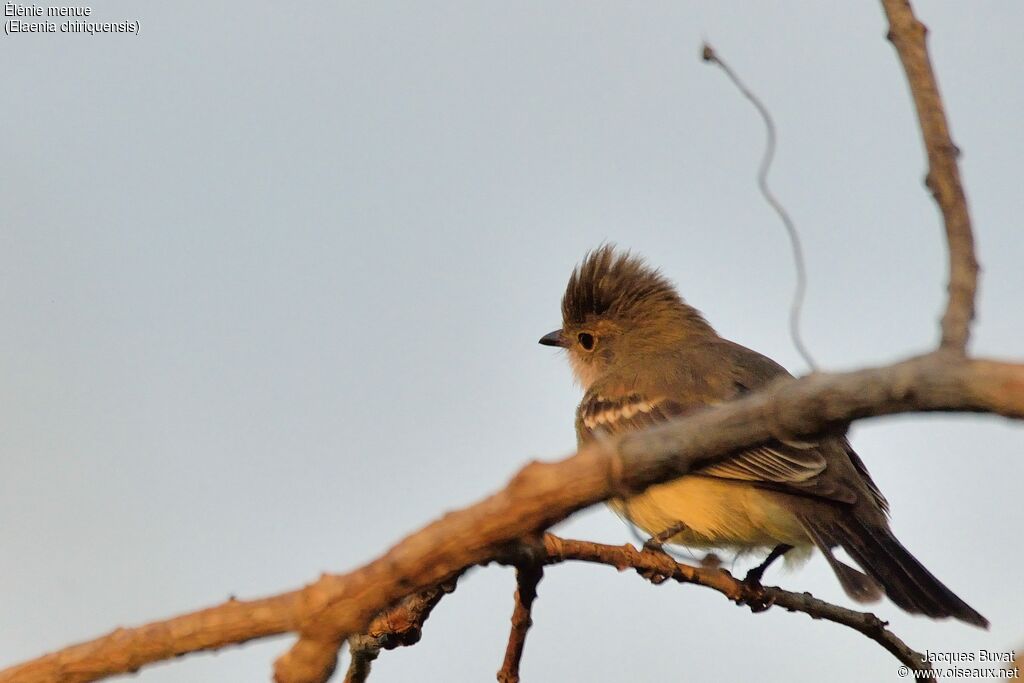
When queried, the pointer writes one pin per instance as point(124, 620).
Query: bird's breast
point(717, 513)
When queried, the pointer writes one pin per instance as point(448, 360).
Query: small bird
point(643, 356)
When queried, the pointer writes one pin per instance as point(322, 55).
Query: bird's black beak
point(555, 338)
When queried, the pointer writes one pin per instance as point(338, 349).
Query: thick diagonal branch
point(908, 37)
point(337, 606)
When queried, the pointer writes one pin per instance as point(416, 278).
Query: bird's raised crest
point(619, 285)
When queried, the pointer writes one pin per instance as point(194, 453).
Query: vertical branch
point(362, 650)
point(907, 35)
point(527, 578)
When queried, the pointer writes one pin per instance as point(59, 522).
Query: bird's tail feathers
point(887, 563)
point(858, 585)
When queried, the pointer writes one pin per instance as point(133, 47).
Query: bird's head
point(617, 311)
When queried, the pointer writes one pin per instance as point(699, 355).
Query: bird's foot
point(655, 542)
point(757, 599)
point(753, 577)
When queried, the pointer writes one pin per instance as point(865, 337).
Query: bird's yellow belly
point(717, 513)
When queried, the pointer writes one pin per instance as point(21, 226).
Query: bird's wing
point(862, 470)
point(787, 466)
point(618, 413)
point(751, 371)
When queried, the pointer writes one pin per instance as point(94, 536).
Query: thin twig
point(708, 54)
point(657, 567)
point(907, 35)
point(527, 577)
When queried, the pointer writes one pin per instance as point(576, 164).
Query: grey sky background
point(273, 276)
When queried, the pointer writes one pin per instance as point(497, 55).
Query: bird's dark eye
point(586, 340)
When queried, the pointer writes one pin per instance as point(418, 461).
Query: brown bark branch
point(527, 577)
point(399, 626)
point(126, 650)
point(907, 35)
point(658, 566)
point(338, 606)
point(363, 650)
